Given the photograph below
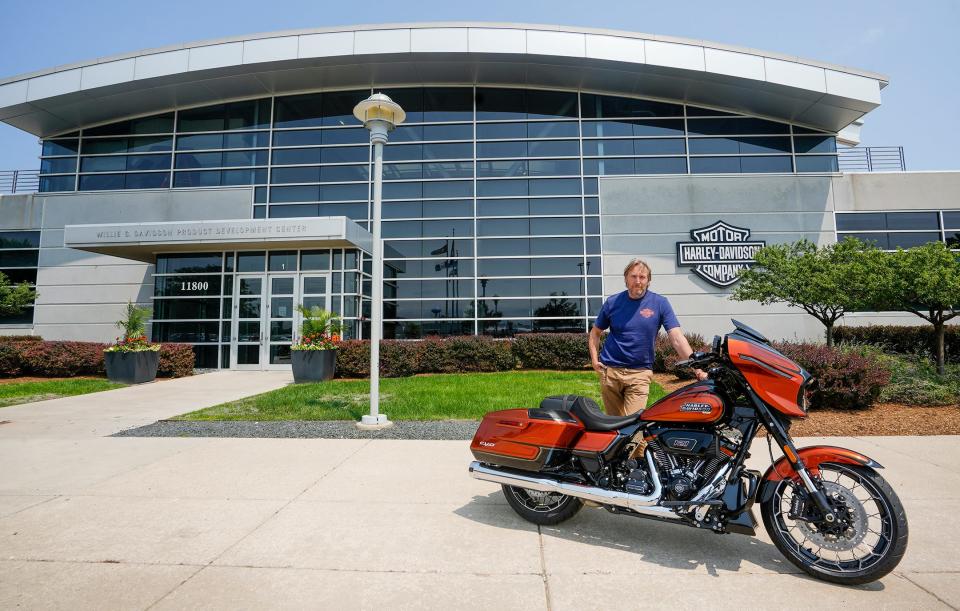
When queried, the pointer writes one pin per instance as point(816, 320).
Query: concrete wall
point(646, 216)
point(82, 294)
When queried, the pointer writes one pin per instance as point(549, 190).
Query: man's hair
point(635, 262)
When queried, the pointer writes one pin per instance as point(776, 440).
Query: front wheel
point(865, 542)
point(543, 508)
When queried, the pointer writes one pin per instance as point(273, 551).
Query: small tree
point(826, 282)
point(14, 297)
point(924, 280)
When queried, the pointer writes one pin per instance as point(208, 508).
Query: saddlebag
point(525, 439)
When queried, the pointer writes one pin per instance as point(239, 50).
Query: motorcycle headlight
point(803, 397)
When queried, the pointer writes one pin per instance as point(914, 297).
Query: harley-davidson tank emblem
point(704, 408)
point(718, 252)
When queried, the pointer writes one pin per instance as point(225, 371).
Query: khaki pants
point(624, 390)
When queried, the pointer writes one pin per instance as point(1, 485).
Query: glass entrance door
point(279, 321)
point(247, 324)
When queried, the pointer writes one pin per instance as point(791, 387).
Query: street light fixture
point(380, 115)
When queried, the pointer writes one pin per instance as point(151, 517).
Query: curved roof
point(753, 82)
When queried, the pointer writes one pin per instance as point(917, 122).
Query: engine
point(687, 460)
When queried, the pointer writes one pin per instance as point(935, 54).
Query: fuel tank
point(697, 403)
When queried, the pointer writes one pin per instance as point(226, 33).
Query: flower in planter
point(319, 329)
point(134, 338)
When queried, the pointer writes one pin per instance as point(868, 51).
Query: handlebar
point(698, 360)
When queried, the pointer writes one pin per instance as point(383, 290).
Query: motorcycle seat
point(587, 411)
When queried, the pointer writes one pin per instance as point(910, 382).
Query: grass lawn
point(12, 393)
point(424, 397)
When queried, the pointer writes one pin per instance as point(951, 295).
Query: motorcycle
point(826, 508)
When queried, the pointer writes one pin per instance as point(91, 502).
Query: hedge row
point(35, 357)
point(902, 339)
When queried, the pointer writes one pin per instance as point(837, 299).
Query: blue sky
point(914, 43)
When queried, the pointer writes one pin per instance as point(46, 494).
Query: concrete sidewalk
point(137, 523)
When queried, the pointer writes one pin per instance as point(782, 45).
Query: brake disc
point(855, 521)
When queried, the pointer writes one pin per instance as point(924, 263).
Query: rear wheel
point(543, 508)
point(865, 542)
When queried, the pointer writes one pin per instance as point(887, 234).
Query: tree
point(14, 297)
point(826, 281)
point(924, 280)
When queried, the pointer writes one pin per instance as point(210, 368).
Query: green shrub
point(353, 359)
point(557, 351)
point(176, 360)
point(915, 381)
point(398, 358)
point(10, 361)
point(902, 339)
point(847, 377)
point(476, 354)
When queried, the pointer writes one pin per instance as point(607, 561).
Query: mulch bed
point(881, 419)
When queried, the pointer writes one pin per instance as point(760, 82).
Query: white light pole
point(380, 115)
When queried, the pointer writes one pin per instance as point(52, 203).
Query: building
point(223, 182)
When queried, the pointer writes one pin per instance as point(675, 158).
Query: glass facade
point(491, 211)
point(19, 253)
point(893, 230)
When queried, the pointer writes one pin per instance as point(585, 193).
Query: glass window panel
point(259, 212)
point(448, 151)
point(661, 165)
point(553, 129)
point(294, 194)
point(197, 160)
point(357, 135)
point(817, 163)
point(880, 240)
point(550, 148)
point(293, 211)
point(951, 220)
point(556, 266)
point(18, 258)
point(595, 285)
point(23, 318)
point(60, 147)
point(503, 227)
point(247, 140)
point(432, 248)
point(447, 189)
point(909, 240)
point(444, 208)
point(185, 331)
point(283, 261)
point(502, 267)
point(248, 355)
point(343, 192)
point(406, 133)
point(297, 174)
point(913, 220)
point(512, 287)
point(448, 132)
point(343, 173)
point(58, 165)
point(556, 226)
point(403, 152)
point(556, 286)
point(250, 262)
point(499, 308)
point(560, 305)
point(188, 263)
point(503, 207)
point(735, 125)
point(591, 186)
point(344, 154)
point(197, 179)
point(57, 183)
point(315, 286)
point(816, 144)
point(281, 307)
point(766, 164)
point(592, 245)
point(503, 247)
point(154, 180)
point(447, 103)
point(318, 260)
point(591, 205)
point(243, 177)
point(501, 188)
point(556, 246)
point(300, 138)
point(18, 275)
point(101, 182)
point(556, 186)
point(714, 146)
point(696, 111)
point(599, 106)
point(197, 142)
point(636, 127)
point(244, 158)
point(338, 106)
point(555, 205)
point(547, 104)
point(148, 162)
point(715, 165)
point(188, 309)
point(501, 131)
point(402, 171)
point(953, 239)
point(156, 124)
point(414, 289)
point(861, 221)
point(610, 147)
point(495, 103)
point(299, 111)
point(103, 164)
point(499, 169)
point(501, 149)
point(554, 167)
point(280, 355)
point(105, 146)
point(608, 167)
point(402, 190)
point(591, 224)
point(421, 329)
point(281, 331)
point(354, 211)
point(19, 239)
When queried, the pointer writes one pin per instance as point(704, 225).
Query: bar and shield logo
point(718, 252)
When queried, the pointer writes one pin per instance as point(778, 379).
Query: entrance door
point(265, 321)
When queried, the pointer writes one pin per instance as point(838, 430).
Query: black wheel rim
point(838, 554)
point(540, 502)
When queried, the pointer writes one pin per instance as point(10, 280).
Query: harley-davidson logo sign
point(718, 253)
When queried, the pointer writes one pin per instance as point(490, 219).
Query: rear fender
point(812, 457)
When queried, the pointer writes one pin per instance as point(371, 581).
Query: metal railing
point(871, 159)
point(19, 181)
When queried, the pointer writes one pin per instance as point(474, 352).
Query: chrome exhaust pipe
point(644, 504)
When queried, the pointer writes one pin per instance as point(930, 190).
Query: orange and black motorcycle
point(825, 508)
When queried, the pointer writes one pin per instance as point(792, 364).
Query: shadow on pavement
point(673, 546)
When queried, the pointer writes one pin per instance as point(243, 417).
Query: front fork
point(790, 451)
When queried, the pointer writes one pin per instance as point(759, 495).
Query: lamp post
point(380, 115)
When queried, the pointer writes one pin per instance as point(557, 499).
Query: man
point(634, 318)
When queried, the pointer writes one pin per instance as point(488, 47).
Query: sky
point(913, 43)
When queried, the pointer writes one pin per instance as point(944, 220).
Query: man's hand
point(701, 374)
point(598, 367)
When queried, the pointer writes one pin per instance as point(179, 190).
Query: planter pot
point(132, 367)
point(313, 365)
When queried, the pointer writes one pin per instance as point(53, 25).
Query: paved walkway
point(88, 521)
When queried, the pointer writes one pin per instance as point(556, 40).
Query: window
point(19, 255)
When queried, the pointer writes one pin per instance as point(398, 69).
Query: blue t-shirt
point(633, 324)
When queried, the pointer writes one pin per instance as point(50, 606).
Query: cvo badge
point(718, 252)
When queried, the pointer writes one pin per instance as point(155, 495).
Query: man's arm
point(594, 343)
point(682, 347)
